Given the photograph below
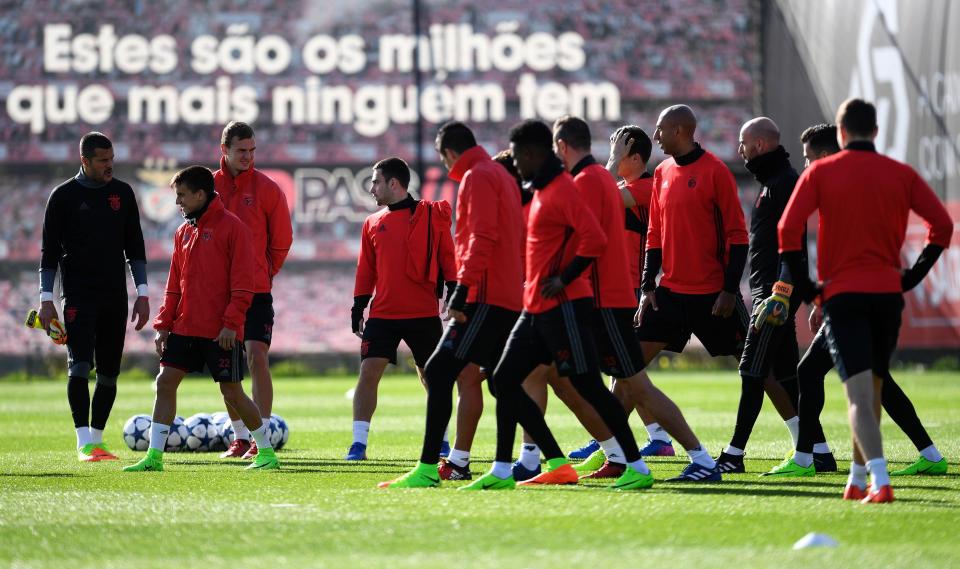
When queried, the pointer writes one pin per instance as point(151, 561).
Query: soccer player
point(613, 293)
point(864, 200)
point(200, 323)
point(91, 229)
point(486, 300)
point(630, 150)
point(770, 355)
point(259, 202)
point(698, 236)
point(406, 258)
point(820, 141)
point(563, 239)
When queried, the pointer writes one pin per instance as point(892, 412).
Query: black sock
point(103, 398)
point(78, 394)
point(515, 406)
point(811, 372)
point(791, 386)
point(590, 386)
point(441, 374)
point(903, 413)
point(751, 401)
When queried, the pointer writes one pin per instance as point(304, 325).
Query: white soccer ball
point(202, 434)
point(177, 439)
point(136, 432)
point(226, 433)
point(219, 420)
point(279, 426)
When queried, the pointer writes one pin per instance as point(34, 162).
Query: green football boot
point(923, 466)
point(266, 459)
point(490, 482)
point(592, 463)
point(153, 462)
point(633, 480)
point(423, 476)
point(790, 469)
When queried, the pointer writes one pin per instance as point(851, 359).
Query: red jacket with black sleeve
point(384, 268)
point(260, 203)
point(489, 231)
point(865, 200)
point(695, 216)
point(210, 285)
point(561, 227)
point(609, 274)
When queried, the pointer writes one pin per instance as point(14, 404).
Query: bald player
point(770, 355)
point(698, 236)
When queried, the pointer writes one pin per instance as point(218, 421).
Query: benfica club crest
point(207, 234)
point(70, 314)
point(114, 200)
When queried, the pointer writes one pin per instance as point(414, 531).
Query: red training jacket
point(210, 285)
point(864, 200)
point(610, 274)
point(695, 216)
point(641, 189)
point(561, 226)
point(259, 202)
point(384, 268)
point(489, 227)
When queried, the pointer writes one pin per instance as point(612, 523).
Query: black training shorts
point(191, 354)
point(681, 315)
point(95, 328)
point(258, 326)
point(617, 345)
point(382, 336)
point(481, 339)
point(771, 347)
point(862, 331)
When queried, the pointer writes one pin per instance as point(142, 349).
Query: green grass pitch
point(319, 511)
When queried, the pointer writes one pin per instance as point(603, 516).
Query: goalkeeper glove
point(57, 333)
point(776, 309)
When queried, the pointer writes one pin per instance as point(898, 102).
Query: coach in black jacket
point(770, 354)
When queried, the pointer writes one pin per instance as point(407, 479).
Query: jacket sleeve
point(447, 254)
point(925, 203)
point(279, 231)
point(242, 268)
point(366, 279)
point(51, 242)
point(592, 239)
point(133, 246)
point(480, 204)
point(734, 225)
point(654, 222)
point(172, 294)
point(802, 204)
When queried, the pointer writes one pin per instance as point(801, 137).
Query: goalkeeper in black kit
point(91, 233)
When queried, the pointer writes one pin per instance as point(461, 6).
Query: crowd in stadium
point(688, 50)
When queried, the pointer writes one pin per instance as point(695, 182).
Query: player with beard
point(91, 232)
point(406, 258)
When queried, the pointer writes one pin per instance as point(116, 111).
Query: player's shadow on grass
point(42, 475)
point(349, 465)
